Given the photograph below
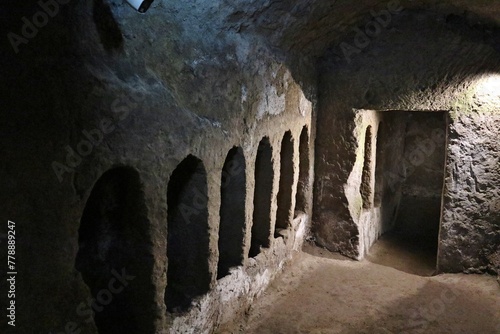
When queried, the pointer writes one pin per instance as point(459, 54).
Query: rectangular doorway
point(409, 179)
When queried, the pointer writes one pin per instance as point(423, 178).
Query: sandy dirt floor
point(324, 293)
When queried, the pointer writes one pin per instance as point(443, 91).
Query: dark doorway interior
point(411, 150)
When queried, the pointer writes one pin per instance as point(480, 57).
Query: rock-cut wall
point(121, 130)
point(423, 61)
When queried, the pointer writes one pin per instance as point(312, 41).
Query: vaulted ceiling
point(312, 26)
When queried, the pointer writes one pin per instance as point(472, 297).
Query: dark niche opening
point(188, 274)
point(232, 212)
point(303, 184)
point(284, 213)
point(115, 253)
point(264, 174)
point(366, 178)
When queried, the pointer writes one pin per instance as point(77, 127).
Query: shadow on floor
point(415, 255)
point(312, 249)
point(324, 296)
